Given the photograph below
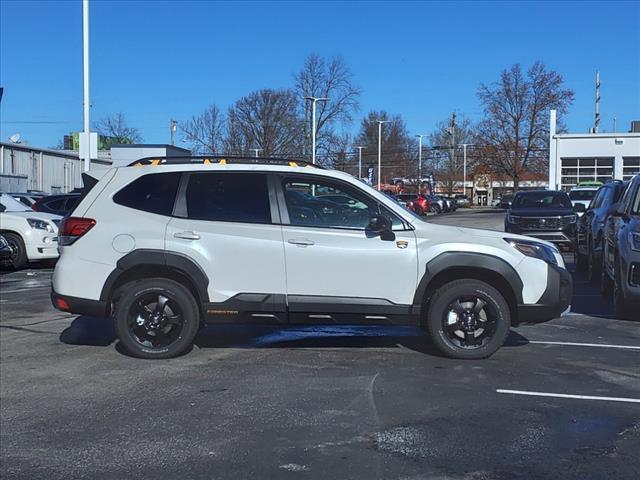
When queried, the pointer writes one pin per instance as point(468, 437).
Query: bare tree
point(117, 130)
point(205, 133)
point(398, 147)
point(448, 163)
point(326, 79)
point(267, 120)
point(515, 125)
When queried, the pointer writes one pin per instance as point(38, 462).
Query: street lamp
point(380, 122)
point(420, 159)
point(313, 124)
point(360, 162)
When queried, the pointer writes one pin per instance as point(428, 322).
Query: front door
point(336, 269)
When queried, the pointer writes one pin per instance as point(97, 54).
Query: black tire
point(606, 284)
point(168, 326)
point(482, 344)
point(593, 266)
point(435, 208)
point(18, 258)
point(621, 306)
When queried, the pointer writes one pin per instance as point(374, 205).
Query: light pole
point(380, 122)
point(85, 75)
point(173, 126)
point(360, 162)
point(420, 160)
point(313, 124)
point(464, 169)
point(256, 150)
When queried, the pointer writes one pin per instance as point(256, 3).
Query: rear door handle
point(187, 235)
point(303, 242)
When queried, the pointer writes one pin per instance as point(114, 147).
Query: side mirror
point(579, 208)
point(381, 225)
point(2, 208)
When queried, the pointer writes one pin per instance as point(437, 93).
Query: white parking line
point(575, 344)
point(565, 395)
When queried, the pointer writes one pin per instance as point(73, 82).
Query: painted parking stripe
point(566, 395)
point(576, 344)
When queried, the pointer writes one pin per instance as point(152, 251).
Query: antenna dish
point(15, 138)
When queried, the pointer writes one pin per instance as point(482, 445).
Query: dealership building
point(575, 158)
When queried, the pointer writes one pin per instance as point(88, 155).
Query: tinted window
point(542, 200)
point(582, 194)
point(57, 205)
point(313, 203)
point(228, 197)
point(635, 208)
point(154, 193)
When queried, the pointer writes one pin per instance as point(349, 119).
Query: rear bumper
point(79, 306)
point(555, 300)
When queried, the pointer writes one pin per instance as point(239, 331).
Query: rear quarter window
point(153, 193)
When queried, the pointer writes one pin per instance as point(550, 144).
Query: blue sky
point(159, 60)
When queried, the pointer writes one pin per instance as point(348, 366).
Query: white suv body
point(257, 242)
point(31, 235)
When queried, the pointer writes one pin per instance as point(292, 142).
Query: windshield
point(582, 194)
point(542, 200)
point(10, 204)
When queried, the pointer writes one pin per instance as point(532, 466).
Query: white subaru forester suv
point(166, 245)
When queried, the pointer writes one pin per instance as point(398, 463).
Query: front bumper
point(564, 238)
point(41, 245)
point(554, 302)
point(80, 306)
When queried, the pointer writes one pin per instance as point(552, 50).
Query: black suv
point(544, 214)
point(589, 236)
point(621, 253)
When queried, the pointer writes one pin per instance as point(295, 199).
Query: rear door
point(337, 270)
point(226, 223)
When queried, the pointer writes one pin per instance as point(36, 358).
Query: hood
point(37, 215)
point(541, 212)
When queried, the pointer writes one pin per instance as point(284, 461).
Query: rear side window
point(57, 205)
point(154, 193)
point(228, 197)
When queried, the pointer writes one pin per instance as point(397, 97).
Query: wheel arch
point(146, 263)
point(490, 269)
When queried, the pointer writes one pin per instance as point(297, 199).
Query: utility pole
point(596, 120)
point(173, 126)
point(85, 75)
point(313, 124)
point(256, 150)
point(360, 162)
point(420, 160)
point(464, 169)
point(380, 122)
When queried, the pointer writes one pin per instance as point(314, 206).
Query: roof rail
point(221, 160)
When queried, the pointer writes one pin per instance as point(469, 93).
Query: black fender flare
point(159, 258)
point(475, 260)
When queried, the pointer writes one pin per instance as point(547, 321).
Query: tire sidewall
point(179, 294)
point(15, 241)
point(445, 296)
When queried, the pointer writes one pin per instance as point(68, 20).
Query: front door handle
point(303, 242)
point(188, 235)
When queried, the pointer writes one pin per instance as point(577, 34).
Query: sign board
point(88, 147)
point(370, 175)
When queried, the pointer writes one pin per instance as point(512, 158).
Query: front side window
point(635, 207)
point(228, 197)
point(154, 193)
point(319, 203)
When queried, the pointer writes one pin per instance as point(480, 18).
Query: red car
point(418, 203)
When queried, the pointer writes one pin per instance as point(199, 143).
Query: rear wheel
point(18, 257)
point(621, 306)
point(468, 319)
point(435, 208)
point(593, 265)
point(156, 318)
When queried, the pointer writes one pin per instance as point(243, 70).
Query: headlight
point(40, 224)
point(570, 218)
point(634, 241)
point(535, 250)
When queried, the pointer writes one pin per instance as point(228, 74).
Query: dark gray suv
point(621, 255)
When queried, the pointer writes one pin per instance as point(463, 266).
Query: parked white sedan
point(32, 236)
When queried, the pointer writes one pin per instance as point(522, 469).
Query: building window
point(630, 167)
point(576, 170)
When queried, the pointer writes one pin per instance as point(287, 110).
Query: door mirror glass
point(381, 225)
point(579, 208)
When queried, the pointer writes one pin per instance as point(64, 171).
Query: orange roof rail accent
point(207, 161)
point(155, 162)
point(223, 161)
point(293, 164)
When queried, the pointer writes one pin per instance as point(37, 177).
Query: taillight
point(72, 228)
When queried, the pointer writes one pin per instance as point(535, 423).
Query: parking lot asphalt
point(317, 402)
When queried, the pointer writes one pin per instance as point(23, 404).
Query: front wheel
point(468, 319)
point(18, 257)
point(156, 318)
